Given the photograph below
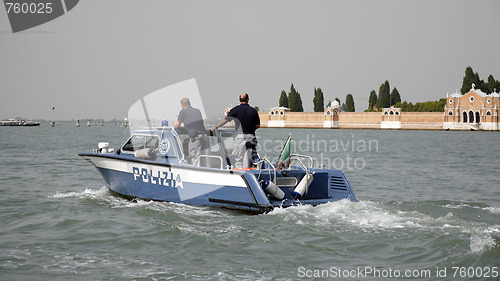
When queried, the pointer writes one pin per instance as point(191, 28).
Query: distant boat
point(19, 123)
point(88, 123)
point(78, 123)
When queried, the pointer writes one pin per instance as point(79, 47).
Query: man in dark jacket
point(193, 123)
point(247, 121)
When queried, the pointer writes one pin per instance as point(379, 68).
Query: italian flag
point(284, 159)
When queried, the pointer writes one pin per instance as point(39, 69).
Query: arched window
point(450, 112)
point(282, 112)
point(478, 117)
point(471, 117)
point(335, 113)
point(464, 119)
point(276, 112)
point(397, 112)
point(386, 113)
point(328, 112)
point(391, 112)
point(488, 113)
point(272, 113)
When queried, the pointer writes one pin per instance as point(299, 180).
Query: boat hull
point(152, 180)
point(181, 184)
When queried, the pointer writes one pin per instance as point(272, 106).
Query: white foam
point(494, 210)
point(481, 241)
point(82, 194)
point(372, 216)
point(362, 214)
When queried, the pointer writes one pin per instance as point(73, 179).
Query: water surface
point(428, 202)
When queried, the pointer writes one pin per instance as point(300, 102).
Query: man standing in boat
point(193, 123)
point(245, 142)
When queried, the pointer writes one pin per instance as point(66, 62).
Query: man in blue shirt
point(247, 121)
point(193, 123)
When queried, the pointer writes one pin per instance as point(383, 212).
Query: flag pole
point(283, 149)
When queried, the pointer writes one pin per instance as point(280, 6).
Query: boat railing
point(271, 169)
point(298, 158)
point(208, 157)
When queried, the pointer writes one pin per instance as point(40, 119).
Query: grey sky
point(102, 56)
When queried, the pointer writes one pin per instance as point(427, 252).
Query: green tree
point(294, 100)
point(283, 99)
point(349, 103)
point(469, 79)
point(384, 96)
point(372, 100)
point(395, 97)
point(318, 100)
point(428, 106)
point(492, 85)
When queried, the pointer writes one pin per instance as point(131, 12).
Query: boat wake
point(105, 197)
point(441, 219)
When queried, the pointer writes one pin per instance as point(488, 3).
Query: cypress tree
point(372, 100)
point(294, 100)
point(492, 85)
point(349, 103)
point(283, 99)
point(469, 79)
point(300, 108)
point(395, 97)
point(384, 96)
point(318, 100)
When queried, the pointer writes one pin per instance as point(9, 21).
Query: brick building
point(474, 110)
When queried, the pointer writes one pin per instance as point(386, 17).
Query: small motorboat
point(153, 164)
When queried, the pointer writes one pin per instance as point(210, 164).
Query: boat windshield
point(137, 142)
point(220, 150)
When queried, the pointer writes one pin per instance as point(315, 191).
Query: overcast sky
point(102, 56)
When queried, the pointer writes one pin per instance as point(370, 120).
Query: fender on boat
point(303, 186)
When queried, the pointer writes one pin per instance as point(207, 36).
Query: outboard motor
point(103, 147)
point(272, 189)
point(303, 186)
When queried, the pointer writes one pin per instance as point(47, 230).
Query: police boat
point(153, 164)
